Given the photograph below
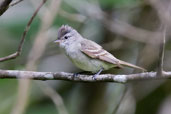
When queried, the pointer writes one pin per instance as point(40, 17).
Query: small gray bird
point(86, 54)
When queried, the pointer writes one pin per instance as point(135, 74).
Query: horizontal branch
point(16, 74)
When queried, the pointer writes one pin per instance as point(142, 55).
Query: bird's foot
point(98, 73)
point(94, 76)
point(76, 74)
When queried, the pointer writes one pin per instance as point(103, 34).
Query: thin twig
point(162, 45)
point(72, 16)
point(15, 3)
point(4, 5)
point(123, 78)
point(162, 10)
point(114, 25)
point(35, 54)
point(19, 50)
point(55, 97)
point(164, 16)
point(20, 106)
point(161, 54)
point(120, 101)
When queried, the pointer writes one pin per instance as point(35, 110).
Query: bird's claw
point(75, 75)
point(98, 73)
point(94, 77)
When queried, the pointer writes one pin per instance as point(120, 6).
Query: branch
point(15, 3)
point(161, 54)
point(55, 96)
point(162, 45)
point(72, 16)
point(114, 25)
point(41, 40)
point(18, 52)
point(120, 100)
point(4, 5)
point(123, 78)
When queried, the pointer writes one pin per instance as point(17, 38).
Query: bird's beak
point(57, 41)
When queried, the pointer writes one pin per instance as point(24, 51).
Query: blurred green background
point(123, 30)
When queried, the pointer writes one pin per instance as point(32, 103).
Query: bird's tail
point(123, 63)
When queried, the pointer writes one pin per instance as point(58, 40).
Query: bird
point(87, 54)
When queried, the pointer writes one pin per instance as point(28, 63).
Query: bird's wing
point(94, 50)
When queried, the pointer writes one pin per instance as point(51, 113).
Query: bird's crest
point(64, 29)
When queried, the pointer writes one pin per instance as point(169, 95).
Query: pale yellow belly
point(88, 64)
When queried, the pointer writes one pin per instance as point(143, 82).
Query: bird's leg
point(98, 73)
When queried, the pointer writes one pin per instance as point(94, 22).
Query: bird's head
point(67, 36)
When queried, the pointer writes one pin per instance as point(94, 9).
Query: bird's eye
point(66, 37)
